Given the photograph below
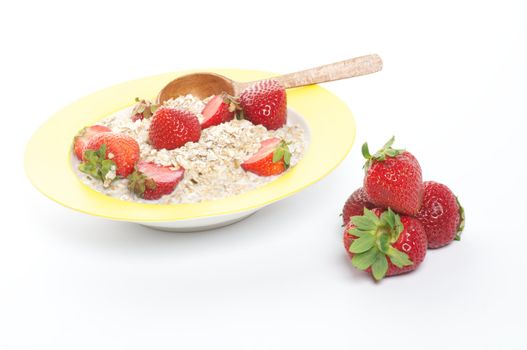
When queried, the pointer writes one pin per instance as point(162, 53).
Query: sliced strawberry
point(218, 110)
point(84, 136)
point(151, 181)
point(272, 158)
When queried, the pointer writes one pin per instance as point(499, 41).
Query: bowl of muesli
point(188, 163)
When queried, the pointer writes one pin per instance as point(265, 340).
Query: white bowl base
point(201, 224)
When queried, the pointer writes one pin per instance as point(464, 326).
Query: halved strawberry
point(218, 110)
point(83, 137)
point(272, 158)
point(152, 181)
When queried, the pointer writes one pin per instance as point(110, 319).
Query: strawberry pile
point(395, 216)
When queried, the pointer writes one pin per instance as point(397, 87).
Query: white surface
point(453, 91)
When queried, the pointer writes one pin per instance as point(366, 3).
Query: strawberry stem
point(97, 165)
point(138, 183)
point(385, 152)
point(461, 225)
point(145, 108)
point(282, 152)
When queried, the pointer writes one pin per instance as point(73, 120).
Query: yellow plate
point(48, 166)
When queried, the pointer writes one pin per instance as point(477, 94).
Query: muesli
point(189, 150)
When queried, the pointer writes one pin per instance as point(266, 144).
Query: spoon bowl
point(201, 85)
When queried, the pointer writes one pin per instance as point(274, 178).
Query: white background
point(453, 91)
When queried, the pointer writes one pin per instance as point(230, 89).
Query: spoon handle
point(335, 71)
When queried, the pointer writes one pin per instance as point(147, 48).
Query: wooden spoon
point(203, 85)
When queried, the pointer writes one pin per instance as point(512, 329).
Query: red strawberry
point(384, 243)
point(355, 205)
point(122, 150)
point(143, 109)
point(393, 179)
point(441, 215)
point(272, 158)
point(172, 128)
point(81, 140)
point(265, 102)
point(152, 181)
point(218, 110)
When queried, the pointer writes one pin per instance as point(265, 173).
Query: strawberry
point(81, 140)
point(122, 150)
point(143, 109)
point(441, 215)
point(152, 181)
point(355, 205)
point(172, 128)
point(393, 179)
point(384, 243)
point(265, 103)
point(272, 158)
point(218, 110)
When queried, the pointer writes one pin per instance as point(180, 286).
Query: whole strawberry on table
point(395, 216)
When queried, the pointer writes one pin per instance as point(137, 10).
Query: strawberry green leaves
point(364, 223)
point(365, 259)
point(380, 155)
point(461, 225)
point(362, 244)
point(234, 105)
point(144, 108)
point(282, 152)
point(96, 165)
point(398, 258)
point(373, 243)
point(394, 222)
point(379, 267)
point(138, 183)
